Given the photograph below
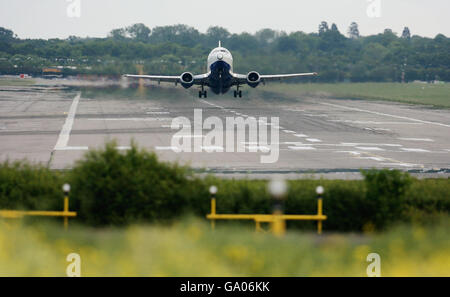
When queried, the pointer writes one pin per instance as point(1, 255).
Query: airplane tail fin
point(220, 44)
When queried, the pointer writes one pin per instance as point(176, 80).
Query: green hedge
point(26, 186)
point(110, 187)
point(114, 188)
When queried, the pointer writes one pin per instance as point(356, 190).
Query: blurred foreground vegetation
point(190, 248)
point(116, 188)
point(135, 219)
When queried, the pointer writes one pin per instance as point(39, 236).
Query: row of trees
point(178, 48)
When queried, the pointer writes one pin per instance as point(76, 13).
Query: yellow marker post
point(66, 210)
point(66, 189)
point(213, 191)
point(258, 226)
point(319, 191)
point(17, 214)
point(277, 219)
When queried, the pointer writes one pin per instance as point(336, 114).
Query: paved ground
point(331, 137)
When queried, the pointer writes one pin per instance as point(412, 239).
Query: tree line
point(170, 50)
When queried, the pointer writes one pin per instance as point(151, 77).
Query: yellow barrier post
point(319, 191)
point(66, 190)
point(213, 191)
point(17, 214)
point(277, 188)
point(277, 219)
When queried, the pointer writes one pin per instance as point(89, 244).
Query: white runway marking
point(379, 159)
point(369, 144)
point(85, 148)
point(170, 126)
point(72, 148)
point(313, 140)
point(373, 122)
point(417, 139)
point(369, 148)
point(386, 114)
point(300, 135)
point(350, 152)
point(64, 135)
point(381, 129)
point(415, 150)
point(302, 148)
point(131, 119)
point(289, 131)
point(157, 112)
point(400, 164)
point(166, 148)
point(212, 148)
point(188, 136)
point(260, 148)
point(215, 105)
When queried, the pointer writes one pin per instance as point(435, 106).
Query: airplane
point(220, 76)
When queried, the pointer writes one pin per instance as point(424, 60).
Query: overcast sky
point(95, 18)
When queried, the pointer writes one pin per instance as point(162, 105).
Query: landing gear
point(202, 93)
point(237, 93)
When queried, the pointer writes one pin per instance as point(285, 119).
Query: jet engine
point(187, 80)
point(253, 79)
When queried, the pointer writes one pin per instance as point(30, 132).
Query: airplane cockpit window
point(220, 50)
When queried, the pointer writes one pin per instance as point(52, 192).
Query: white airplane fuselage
point(220, 66)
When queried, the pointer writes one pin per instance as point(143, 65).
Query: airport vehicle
point(220, 76)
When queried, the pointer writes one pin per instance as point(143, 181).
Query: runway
point(330, 138)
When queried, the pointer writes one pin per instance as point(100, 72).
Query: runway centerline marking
point(417, 139)
point(64, 135)
point(369, 148)
point(386, 114)
point(313, 140)
point(301, 148)
point(301, 135)
point(415, 150)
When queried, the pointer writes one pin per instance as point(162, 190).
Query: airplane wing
point(242, 78)
point(158, 78)
point(198, 79)
point(284, 76)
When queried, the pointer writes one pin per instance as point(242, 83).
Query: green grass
point(191, 248)
point(429, 94)
point(16, 82)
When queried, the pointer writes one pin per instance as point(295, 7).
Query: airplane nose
point(219, 56)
